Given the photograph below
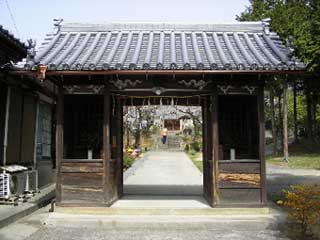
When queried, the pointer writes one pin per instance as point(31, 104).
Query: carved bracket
point(250, 89)
point(224, 88)
point(71, 89)
point(200, 84)
point(83, 89)
point(121, 84)
point(229, 89)
point(96, 88)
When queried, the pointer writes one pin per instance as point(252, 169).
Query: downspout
point(5, 140)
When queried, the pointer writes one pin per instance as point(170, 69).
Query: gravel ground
point(279, 178)
point(147, 234)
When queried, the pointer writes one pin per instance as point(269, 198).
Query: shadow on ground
point(163, 189)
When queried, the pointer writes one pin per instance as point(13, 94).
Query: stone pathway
point(163, 173)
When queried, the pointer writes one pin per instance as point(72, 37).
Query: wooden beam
point(59, 142)
point(260, 99)
point(157, 72)
point(106, 145)
point(28, 82)
point(215, 143)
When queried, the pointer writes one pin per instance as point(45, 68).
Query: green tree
point(297, 22)
point(138, 121)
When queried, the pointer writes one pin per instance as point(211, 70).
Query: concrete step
point(186, 218)
point(156, 211)
point(169, 218)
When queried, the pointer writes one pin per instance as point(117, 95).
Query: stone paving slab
point(164, 173)
point(149, 201)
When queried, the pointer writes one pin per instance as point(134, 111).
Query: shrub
point(303, 204)
point(127, 160)
point(192, 152)
point(187, 147)
point(195, 146)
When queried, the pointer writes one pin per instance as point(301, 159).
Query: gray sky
point(33, 18)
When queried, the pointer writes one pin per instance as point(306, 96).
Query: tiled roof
point(7, 35)
point(244, 46)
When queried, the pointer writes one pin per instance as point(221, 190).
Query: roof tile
point(165, 46)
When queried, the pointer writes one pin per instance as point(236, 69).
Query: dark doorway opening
point(238, 127)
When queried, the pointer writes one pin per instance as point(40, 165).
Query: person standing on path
point(164, 133)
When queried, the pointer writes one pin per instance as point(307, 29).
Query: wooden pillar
point(260, 99)
point(215, 143)
point(6, 126)
point(106, 145)
point(285, 120)
point(309, 111)
point(280, 130)
point(314, 111)
point(36, 129)
point(59, 141)
point(295, 115)
point(21, 126)
point(273, 123)
point(119, 143)
point(209, 163)
point(249, 129)
point(205, 146)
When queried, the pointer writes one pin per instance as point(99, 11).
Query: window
point(44, 135)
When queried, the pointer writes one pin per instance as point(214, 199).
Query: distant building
point(177, 121)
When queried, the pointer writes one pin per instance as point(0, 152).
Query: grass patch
point(196, 158)
point(300, 156)
point(311, 161)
